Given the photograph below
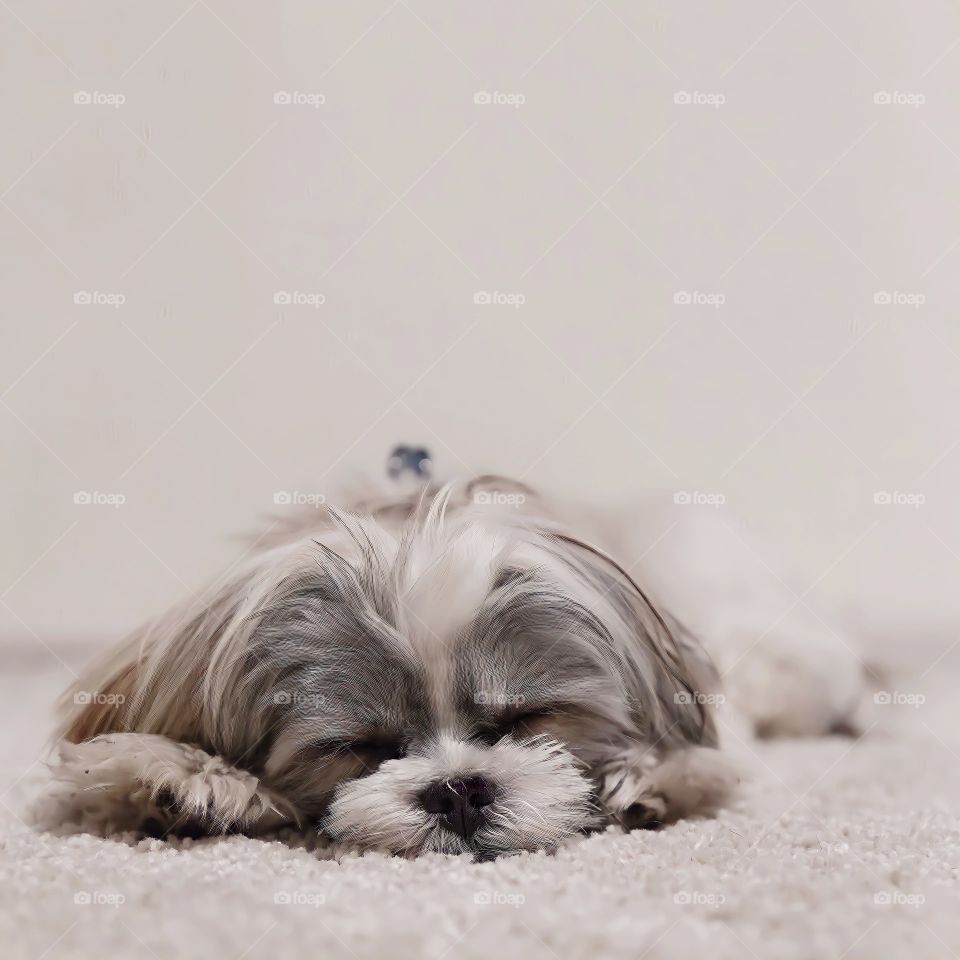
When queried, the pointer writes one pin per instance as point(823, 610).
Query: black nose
point(459, 803)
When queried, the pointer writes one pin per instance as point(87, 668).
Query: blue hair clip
point(412, 462)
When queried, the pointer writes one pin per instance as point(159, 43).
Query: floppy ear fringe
point(686, 672)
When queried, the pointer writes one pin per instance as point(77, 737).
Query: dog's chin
point(541, 799)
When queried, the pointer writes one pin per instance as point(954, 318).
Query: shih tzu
point(455, 670)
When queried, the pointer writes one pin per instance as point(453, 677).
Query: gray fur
point(364, 653)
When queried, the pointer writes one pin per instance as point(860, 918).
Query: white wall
point(398, 199)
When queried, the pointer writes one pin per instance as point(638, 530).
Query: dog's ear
point(207, 672)
point(153, 681)
point(143, 684)
point(667, 674)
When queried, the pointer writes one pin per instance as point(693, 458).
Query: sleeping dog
point(458, 670)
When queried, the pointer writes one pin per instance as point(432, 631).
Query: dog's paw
point(208, 795)
point(643, 791)
point(215, 798)
point(627, 796)
point(639, 816)
point(150, 783)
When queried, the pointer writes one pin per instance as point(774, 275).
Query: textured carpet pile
point(837, 848)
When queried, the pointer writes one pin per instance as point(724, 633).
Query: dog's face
point(454, 685)
point(459, 691)
point(476, 733)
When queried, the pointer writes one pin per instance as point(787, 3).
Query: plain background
point(597, 200)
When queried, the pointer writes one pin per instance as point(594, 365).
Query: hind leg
point(149, 783)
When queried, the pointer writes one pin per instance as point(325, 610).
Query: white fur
point(542, 799)
point(687, 782)
point(115, 782)
point(342, 597)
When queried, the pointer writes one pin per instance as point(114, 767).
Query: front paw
point(147, 782)
point(644, 792)
point(630, 803)
point(638, 816)
point(209, 797)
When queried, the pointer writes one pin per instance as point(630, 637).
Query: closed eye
point(518, 719)
point(379, 750)
point(372, 751)
point(513, 723)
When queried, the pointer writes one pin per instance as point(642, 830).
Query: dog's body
point(462, 670)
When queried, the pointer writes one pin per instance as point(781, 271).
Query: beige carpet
point(837, 849)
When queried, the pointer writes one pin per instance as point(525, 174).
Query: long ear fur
point(160, 681)
point(205, 672)
point(665, 670)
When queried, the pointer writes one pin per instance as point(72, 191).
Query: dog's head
point(450, 681)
